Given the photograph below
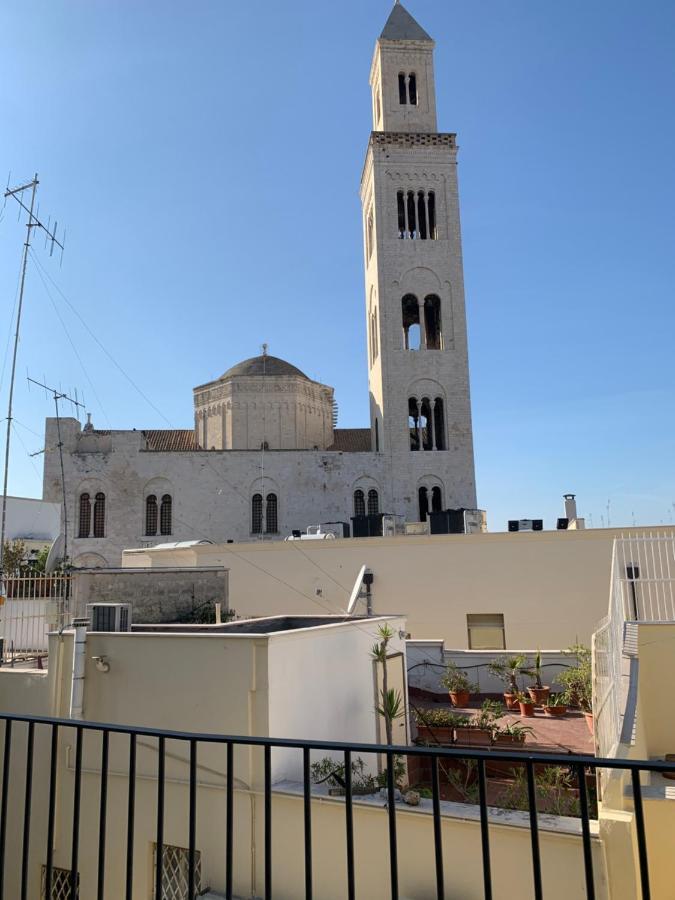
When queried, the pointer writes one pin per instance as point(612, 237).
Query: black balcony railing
point(19, 816)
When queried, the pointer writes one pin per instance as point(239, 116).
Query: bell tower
point(417, 344)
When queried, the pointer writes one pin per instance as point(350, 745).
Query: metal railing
point(23, 734)
point(34, 605)
point(642, 589)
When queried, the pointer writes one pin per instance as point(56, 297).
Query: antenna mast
point(50, 235)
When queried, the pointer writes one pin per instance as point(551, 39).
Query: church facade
point(264, 456)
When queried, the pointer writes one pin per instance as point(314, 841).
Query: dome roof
point(264, 365)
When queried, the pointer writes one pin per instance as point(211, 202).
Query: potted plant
point(538, 691)
point(437, 726)
point(512, 733)
point(458, 685)
point(555, 705)
point(578, 682)
point(525, 704)
point(508, 670)
point(478, 731)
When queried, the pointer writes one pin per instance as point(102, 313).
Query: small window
point(84, 525)
point(99, 516)
point(271, 522)
point(373, 502)
point(165, 515)
point(151, 515)
point(175, 862)
point(60, 888)
point(359, 503)
point(402, 89)
point(412, 88)
point(256, 514)
point(486, 631)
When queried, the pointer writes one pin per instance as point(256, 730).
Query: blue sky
point(181, 143)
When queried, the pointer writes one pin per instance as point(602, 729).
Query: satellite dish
point(356, 590)
point(55, 554)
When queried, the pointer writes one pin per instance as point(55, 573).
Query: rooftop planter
point(437, 726)
point(508, 670)
point(458, 685)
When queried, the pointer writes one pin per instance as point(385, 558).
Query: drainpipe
point(77, 685)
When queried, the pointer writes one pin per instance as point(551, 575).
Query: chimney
point(570, 506)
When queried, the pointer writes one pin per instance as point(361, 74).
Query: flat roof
point(266, 625)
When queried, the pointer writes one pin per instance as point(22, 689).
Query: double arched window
point(426, 423)
point(373, 502)
point(416, 215)
point(407, 88)
point(84, 529)
point(430, 500)
point(271, 518)
point(161, 515)
point(421, 320)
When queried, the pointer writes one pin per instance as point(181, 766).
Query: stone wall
point(156, 595)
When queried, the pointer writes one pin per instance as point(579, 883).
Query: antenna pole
point(26, 247)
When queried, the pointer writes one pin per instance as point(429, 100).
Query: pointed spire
point(402, 27)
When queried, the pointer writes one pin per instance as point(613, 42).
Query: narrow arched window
point(271, 521)
point(84, 525)
point(436, 499)
point(256, 514)
point(99, 515)
point(373, 502)
point(422, 215)
point(402, 92)
point(413, 423)
point(426, 425)
point(359, 503)
point(412, 217)
point(151, 514)
point(412, 88)
point(423, 499)
point(369, 234)
point(431, 206)
point(165, 515)
point(439, 424)
point(410, 312)
point(432, 322)
point(400, 210)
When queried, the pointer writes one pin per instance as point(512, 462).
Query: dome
point(264, 365)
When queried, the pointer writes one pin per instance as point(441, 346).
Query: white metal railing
point(34, 605)
point(642, 589)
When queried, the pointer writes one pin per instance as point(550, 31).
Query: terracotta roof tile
point(351, 440)
point(171, 439)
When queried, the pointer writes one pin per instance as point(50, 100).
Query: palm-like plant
point(508, 670)
point(390, 705)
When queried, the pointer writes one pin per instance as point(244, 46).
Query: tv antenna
point(33, 221)
point(59, 395)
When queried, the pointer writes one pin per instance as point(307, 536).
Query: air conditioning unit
point(109, 616)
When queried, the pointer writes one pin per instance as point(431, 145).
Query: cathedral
point(265, 457)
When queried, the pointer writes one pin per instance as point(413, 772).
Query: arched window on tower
point(271, 519)
point(431, 206)
point(436, 499)
point(413, 416)
point(373, 502)
point(412, 88)
point(427, 436)
point(165, 515)
point(84, 524)
point(421, 216)
point(423, 499)
point(439, 424)
point(432, 322)
point(412, 231)
point(369, 234)
point(412, 335)
point(99, 515)
point(400, 209)
point(359, 503)
point(151, 515)
point(256, 514)
point(402, 89)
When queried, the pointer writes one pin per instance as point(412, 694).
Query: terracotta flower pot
point(589, 721)
point(508, 740)
point(539, 695)
point(474, 737)
point(435, 734)
point(511, 701)
point(526, 709)
point(555, 711)
point(459, 698)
